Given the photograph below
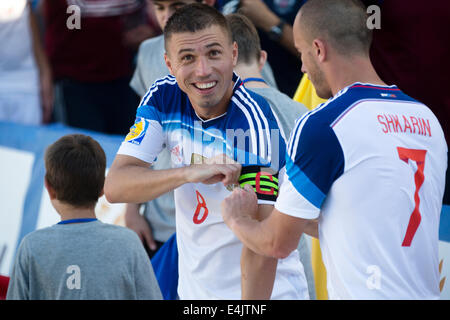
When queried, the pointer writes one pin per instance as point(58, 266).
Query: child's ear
point(50, 190)
point(262, 59)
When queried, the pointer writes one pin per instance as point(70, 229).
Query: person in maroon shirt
point(92, 64)
point(411, 50)
point(4, 282)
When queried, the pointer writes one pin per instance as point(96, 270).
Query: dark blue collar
point(253, 79)
point(81, 220)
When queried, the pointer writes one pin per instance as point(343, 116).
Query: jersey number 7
point(419, 157)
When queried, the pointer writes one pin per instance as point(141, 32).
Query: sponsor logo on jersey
point(388, 95)
point(137, 131)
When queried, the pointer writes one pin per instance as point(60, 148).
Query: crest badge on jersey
point(137, 131)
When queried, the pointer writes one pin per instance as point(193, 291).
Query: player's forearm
point(258, 275)
point(249, 228)
point(269, 237)
point(250, 233)
point(277, 235)
point(132, 184)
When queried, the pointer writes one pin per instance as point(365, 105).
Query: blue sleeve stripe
point(444, 225)
point(303, 184)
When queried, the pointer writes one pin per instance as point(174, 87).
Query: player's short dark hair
point(75, 169)
point(194, 17)
point(342, 22)
point(246, 37)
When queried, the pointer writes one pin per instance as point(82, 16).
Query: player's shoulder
point(281, 102)
point(349, 97)
point(251, 97)
point(168, 81)
point(163, 88)
point(314, 128)
point(253, 106)
point(253, 113)
point(325, 113)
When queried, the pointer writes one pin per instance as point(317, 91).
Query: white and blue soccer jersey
point(209, 252)
point(370, 164)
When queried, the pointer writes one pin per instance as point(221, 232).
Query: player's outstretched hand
point(218, 169)
point(242, 203)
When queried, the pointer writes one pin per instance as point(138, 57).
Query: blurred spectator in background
point(4, 282)
point(411, 49)
point(150, 64)
point(151, 16)
point(26, 92)
point(92, 61)
point(274, 19)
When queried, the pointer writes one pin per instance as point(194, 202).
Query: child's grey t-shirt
point(91, 260)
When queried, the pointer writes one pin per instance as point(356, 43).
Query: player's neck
point(69, 212)
point(349, 71)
